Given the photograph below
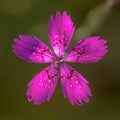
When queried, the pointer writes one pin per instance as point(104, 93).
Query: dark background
point(30, 17)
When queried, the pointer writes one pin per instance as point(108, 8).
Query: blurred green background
point(30, 17)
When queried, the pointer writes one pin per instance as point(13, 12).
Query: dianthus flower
point(74, 85)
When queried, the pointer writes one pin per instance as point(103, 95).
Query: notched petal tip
point(87, 50)
point(64, 13)
point(42, 86)
point(32, 49)
point(74, 85)
point(58, 14)
point(61, 30)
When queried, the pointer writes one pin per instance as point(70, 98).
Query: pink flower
point(74, 85)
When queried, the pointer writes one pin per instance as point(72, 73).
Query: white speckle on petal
point(34, 47)
point(33, 53)
point(38, 56)
point(40, 80)
point(76, 82)
point(49, 81)
point(40, 84)
point(56, 36)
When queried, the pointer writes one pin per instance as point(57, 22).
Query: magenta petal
point(88, 50)
point(61, 30)
point(32, 49)
point(74, 85)
point(43, 85)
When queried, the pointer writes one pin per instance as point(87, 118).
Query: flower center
point(60, 60)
